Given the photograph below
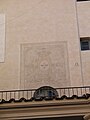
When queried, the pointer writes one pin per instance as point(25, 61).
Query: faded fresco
point(44, 64)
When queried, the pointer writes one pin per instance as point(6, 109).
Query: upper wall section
point(39, 21)
point(83, 9)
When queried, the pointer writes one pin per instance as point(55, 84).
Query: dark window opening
point(85, 43)
point(46, 92)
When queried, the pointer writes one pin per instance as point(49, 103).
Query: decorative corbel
point(87, 117)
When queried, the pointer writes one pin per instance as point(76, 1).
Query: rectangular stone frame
point(2, 37)
point(44, 64)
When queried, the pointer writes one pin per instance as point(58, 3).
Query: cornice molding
point(42, 109)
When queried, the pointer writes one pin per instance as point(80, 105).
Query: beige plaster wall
point(2, 37)
point(83, 9)
point(35, 21)
point(83, 12)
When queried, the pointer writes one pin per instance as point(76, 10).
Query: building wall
point(83, 9)
point(39, 21)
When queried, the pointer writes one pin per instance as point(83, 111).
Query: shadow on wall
point(63, 118)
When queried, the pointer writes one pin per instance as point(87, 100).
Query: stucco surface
point(84, 31)
point(39, 21)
